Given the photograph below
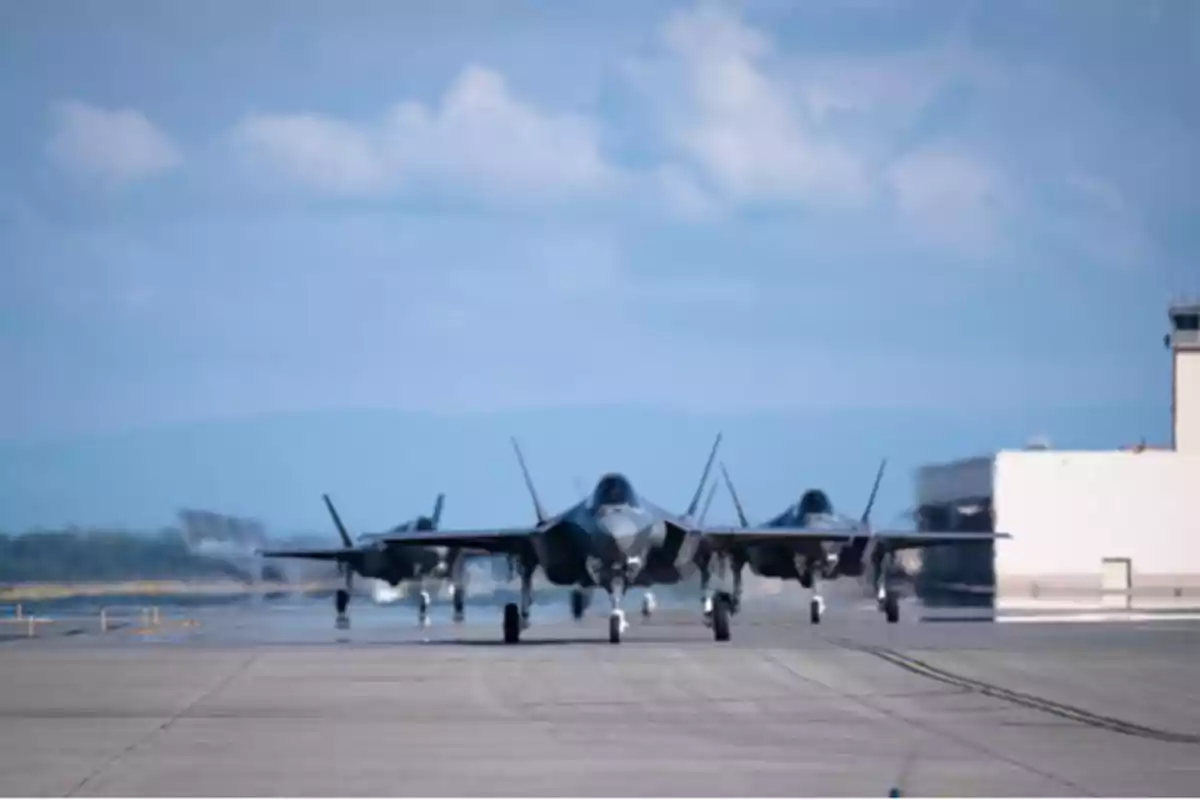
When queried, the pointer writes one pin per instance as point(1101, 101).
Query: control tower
point(1184, 341)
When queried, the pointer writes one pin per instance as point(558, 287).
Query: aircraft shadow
point(575, 641)
point(571, 640)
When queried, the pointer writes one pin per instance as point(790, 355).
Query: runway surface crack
point(221, 684)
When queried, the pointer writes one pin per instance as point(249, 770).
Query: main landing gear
point(616, 626)
point(516, 617)
point(648, 604)
point(579, 604)
point(458, 597)
point(341, 601)
point(512, 623)
point(887, 596)
point(722, 607)
point(888, 600)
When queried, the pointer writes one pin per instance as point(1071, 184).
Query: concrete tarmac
point(272, 700)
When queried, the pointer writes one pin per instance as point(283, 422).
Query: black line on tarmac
point(1045, 705)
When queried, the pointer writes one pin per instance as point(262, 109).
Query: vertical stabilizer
point(537, 504)
point(695, 505)
point(437, 510)
point(737, 503)
point(337, 521)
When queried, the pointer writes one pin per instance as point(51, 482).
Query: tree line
point(113, 555)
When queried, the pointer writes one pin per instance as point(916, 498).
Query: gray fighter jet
point(833, 545)
point(373, 556)
point(615, 539)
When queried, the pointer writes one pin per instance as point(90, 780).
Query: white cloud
point(950, 197)
point(729, 115)
point(325, 153)
point(885, 91)
point(746, 123)
point(115, 146)
point(482, 137)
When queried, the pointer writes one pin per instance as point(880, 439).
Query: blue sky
point(251, 252)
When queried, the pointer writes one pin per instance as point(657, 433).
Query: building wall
point(1067, 511)
point(1187, 401)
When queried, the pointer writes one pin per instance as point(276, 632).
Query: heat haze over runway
point(270, 699)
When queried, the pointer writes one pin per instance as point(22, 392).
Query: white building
point(1081, 521)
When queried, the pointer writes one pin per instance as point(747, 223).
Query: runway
point(270, 699)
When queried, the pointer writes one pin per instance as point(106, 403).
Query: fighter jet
point(372, 556)
point(613, 539)
point(833, 545)
point(648, 601)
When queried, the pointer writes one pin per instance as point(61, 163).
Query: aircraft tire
point(891, 608)
point(512, 623)
point(578, 602)
point(614, 628)
point(459, 605)
point(814, 611)
point(341, 601)
point(720, 618)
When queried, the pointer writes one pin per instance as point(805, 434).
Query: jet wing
point(896, 540)
point(905, 540)
point(491, 540)
point(324, 554)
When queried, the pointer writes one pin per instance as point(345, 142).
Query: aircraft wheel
point(615, 623)
point(814, 611)
point(891, 607)
point(512, 623)
point(341, 601)
point(460, 603)
point(720, 618)
point(578, 604)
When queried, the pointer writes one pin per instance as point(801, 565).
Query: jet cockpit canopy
point(614, 489)
point(814, 502)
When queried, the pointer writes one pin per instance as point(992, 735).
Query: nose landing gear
point(616, 618)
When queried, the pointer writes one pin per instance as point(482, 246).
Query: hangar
point(1119, 526)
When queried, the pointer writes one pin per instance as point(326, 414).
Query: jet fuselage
point(612, 534)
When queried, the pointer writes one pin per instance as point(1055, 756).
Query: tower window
point(1187, 322)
